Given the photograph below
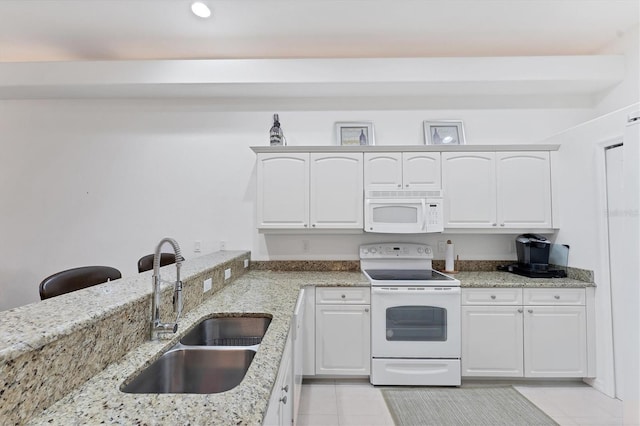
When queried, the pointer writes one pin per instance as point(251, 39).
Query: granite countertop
point(259, 291)
point(508, 279)
point(274, 293)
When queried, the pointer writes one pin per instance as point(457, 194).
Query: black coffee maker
point(533, 258)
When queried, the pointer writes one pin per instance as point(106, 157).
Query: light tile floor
point(357, 403)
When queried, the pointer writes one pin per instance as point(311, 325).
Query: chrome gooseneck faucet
point(157, 326)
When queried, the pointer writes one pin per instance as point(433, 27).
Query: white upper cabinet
point(383, 171)
point(402, 170)
point(469, 184)
point(336, 194)
point(502, 190)
point(524, 189)
point(283, 191)
point(310, 191)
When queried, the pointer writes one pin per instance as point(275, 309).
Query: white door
point(469, 184)
point(619, 283)
point(523, 189)
point(382, 171)
point(336, 193)
point(421, 171)
point(492, 341)
point(555, 341)
point(343, 340)
point(283, 191)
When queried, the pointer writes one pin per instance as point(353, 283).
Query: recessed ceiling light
point(200, 9)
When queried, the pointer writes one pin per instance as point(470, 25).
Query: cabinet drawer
point(554, 296)
point(492, 296)
point(336, 295)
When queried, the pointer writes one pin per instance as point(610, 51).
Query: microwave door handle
point(424, 215)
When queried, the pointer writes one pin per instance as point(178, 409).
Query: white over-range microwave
point(403, 211)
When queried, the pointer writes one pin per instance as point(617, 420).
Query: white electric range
point(415, 316)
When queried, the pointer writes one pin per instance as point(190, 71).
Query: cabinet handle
point(556, 297)
point(520, 310)
point(399, 186)
point(407, 185)
point(314, 225)
point(494, 224)
point(283, 399)
point(366, 309)
point(493, 296)
point(343, 296)
point(305, 225)
point(286, 388)
point(530, 311)
point(502, 224)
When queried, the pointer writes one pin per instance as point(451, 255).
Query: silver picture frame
point(353, 133)
point(444, 132)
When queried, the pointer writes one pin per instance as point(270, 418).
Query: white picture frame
point(444, 132)
point(354, 133)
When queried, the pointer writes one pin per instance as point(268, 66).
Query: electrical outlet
point(223, 245)
point(442, 246)
point(227, 273)
point(246, 263)
point(207, 285)
point(305, 246)
point(197, 246)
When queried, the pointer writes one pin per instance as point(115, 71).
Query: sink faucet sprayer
point(157, 326)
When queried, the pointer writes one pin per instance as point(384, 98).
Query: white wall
point(628, 91)
point(579, 184)
point(102, 181)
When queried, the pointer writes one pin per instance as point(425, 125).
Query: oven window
point(417, 324)
point(395, 214)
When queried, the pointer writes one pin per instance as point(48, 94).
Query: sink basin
point(193, 370)
point(227, 331)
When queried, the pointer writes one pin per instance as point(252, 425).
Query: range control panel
point(396, 250)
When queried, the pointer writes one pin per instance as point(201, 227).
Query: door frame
point(605, 378)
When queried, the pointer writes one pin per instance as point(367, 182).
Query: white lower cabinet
point(555, 343)
point(492, 341)
point(343, 331)
point(280, 409)
point(524, 333)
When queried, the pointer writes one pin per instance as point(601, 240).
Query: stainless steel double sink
point(213, 357)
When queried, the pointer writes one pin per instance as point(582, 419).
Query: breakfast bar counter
point(100, 400)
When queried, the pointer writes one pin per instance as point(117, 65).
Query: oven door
point(415, 322)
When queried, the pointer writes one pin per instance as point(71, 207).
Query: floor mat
point(490, 406)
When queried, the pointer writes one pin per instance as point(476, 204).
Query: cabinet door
point(492, 341)
point(283, 191)
point(524, 189)
point(421, 171)
point(555, 343)
point(280, 408)
point(382, 171)
point(309, 332)
point(343, 340)
point(336, 198)
point(469, 183)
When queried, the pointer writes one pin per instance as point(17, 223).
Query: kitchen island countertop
point(274, 293)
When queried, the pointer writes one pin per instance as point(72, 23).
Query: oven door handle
point(416, 290)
